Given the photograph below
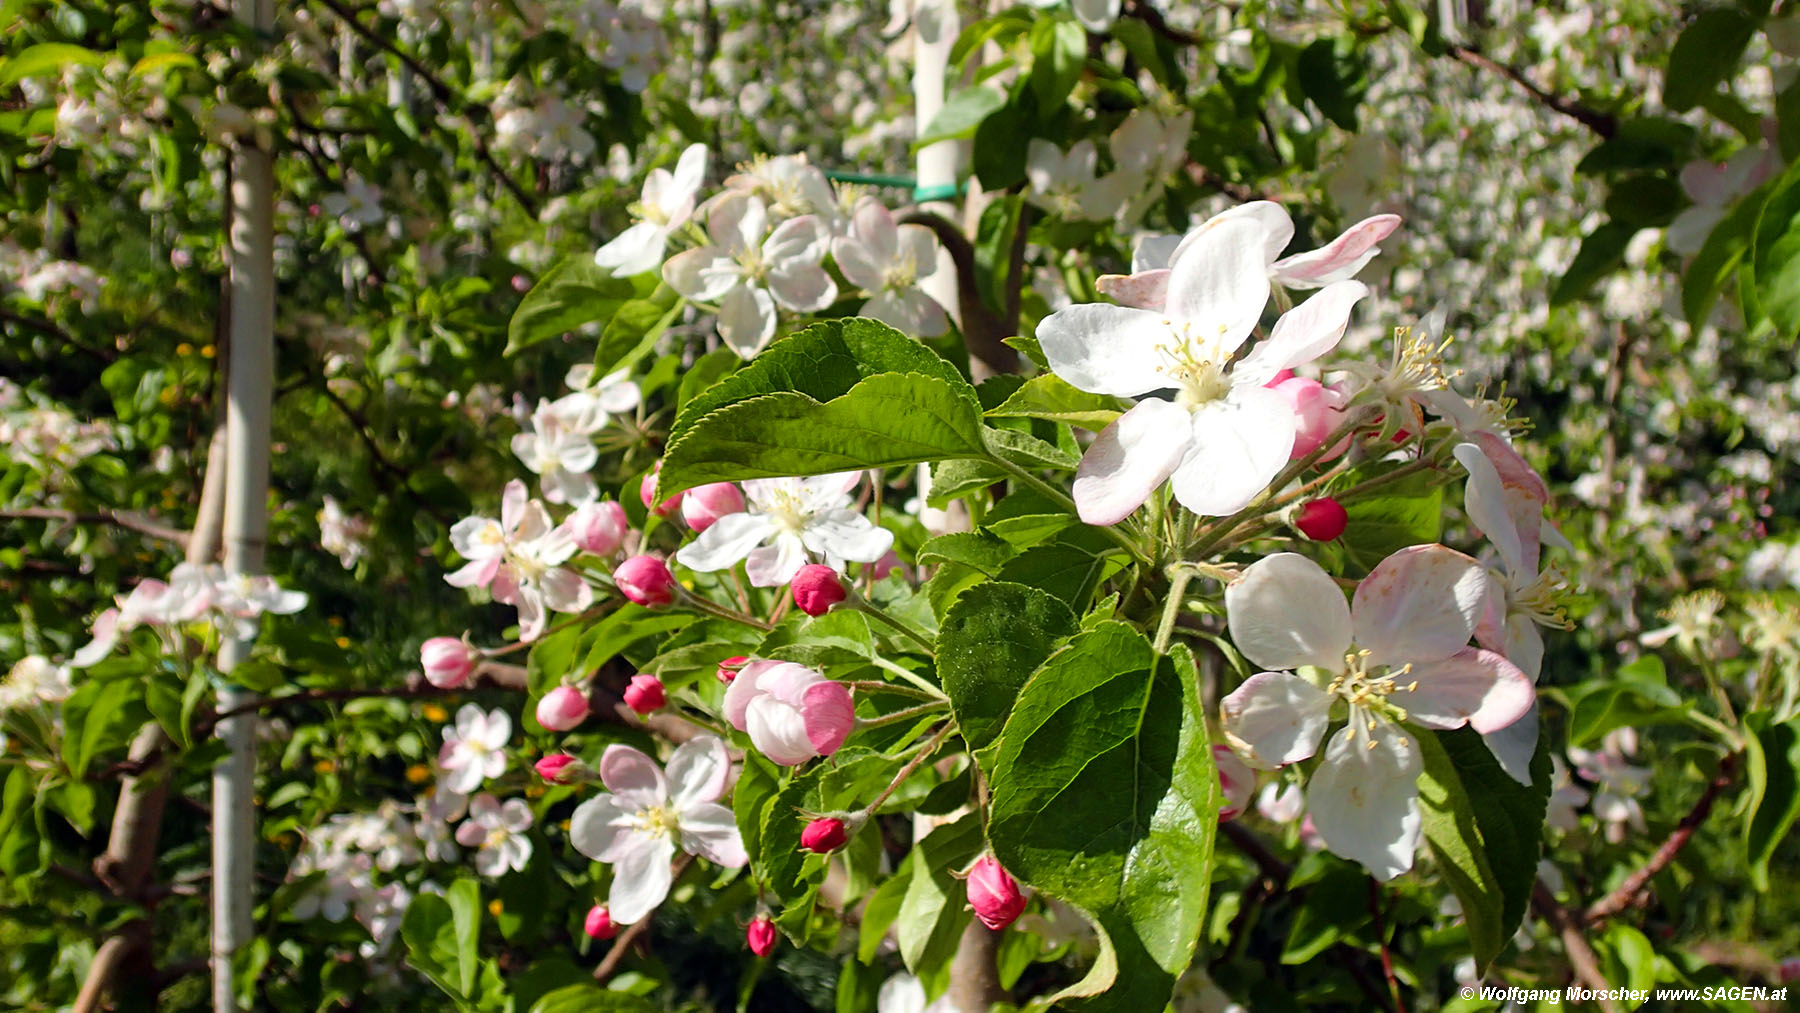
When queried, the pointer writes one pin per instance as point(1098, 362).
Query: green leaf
point(634, 329)
point(952, 480)
point(1601, 252)
point(1051, 397)
point(429, 933)
point(1775, 801)
point(1334, 78)
point(982, 551)
point(1643, 142)
point(1637, 696)
point(1645, 201)
point(991, 640)
point(1485, 830)
point(591, 998)
point(1069, 565)
point(99, 716)
point(1704, 54)
point(1058, 52)
point(1723, 250)
point(47, 58)
point(1773, 266)
point(1408, 512)
point(465, 917)
point(156, 63)
point(576, 291)
point(1336, 904)
point(1027, 451)
point(961, 113)
point(1112, 740)
point(933, 911)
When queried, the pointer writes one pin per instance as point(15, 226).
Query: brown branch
point(1627, 892)
point(1150, 16)
point(975, 970)
point(1582, 961)
point(1602, 124)
point(1202, 176)
point(1246, 841)
point(117, 518)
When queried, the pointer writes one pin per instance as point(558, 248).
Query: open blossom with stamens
point(559, 449)
point(474, 748)
point(614, 393)
point(1398, 653)
point(789, 521)
point(1065, 184)
point(645, 816)
point(749, 270)
point(1225, 435)
point(232, 603)
point(519, 558)
point(887, 260)
point(666, 204)
point(497, 831)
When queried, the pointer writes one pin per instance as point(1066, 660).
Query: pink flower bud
point(703, 505)
point(728, 669)
point(599, 528)
point(1281, 376)
point(801, 714)
point(1322, 519)
point(816, 588)
point(761, 936)
point(824, 835)
point(647, 493)
point(645, 580)
point(1318, 411)
point(447, 661)
point(1789, 970)
point(1236, 781)
point(520, 283)
point(181, 259)
point(557, 768)
point(994, 894)
point(645, 694)
point(599, 923)
point(562, 709)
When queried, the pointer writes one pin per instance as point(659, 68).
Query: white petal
point(634, 777)
point(634, 251)
point(1514, 745)
point(1130, 460)
point(775, 565)
point(1365, 802)
point(1284, 612)
point(847, 536)
point(1239, 444)
point(1472, 686)
point(1096, 15)
point(1277, 717)
point(1220, 283)
point(747, 319)
point(1146, 290)
point(710, 831)
point(1485, 502)
point(1106, 349)
point(698, 771)
point(802, 286)
point(778, 731)
point(859, 263)
point(1154, 252)
point(1304, 333)
point(565, 591)
point(1278, 228)
point(1419, 604)
point(641, 878)
point(726, 542)
point(1043, 165)
point(797, 240)
point(690, 170)
point(704, 274)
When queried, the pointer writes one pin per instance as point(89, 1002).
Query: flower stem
point(712, 608)
point(930, 747)
point(856, 601)
point(906, 714)
point(1180, 575)
point(922, 685)
point(873, 686)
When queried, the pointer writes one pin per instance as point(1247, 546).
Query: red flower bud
point(1322, 520)
point(816, 588)
point(703, 505)
point(728, 669)
point(562, 709)
point(645, 580)
point(761, 936)
point(599, 923)
point(645, 694)
point(647, 493)
point(824, 835)
point(556, 768)
point(994, 894)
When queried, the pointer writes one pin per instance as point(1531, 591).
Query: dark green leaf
point(574, 292)
point(1602, 251)
point(992, 639)
point(1643, 142)
point(1775, 802)
point(1774, 261)
point(1704, 55)
point(960, 114)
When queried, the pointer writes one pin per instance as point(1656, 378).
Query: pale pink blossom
point(787, 522)
point(496, 831)
point(518, 558)
point(665, 205)
point(792, 713)
point(598, 528)
point(887, 261)
point(562, 709)
point(749, 270)
point(448, 662)
point(703, 505)
point(474, 748)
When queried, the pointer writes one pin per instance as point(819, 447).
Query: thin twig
point(1626, 894)
point(1387, 957)
point(117, 518)
point(1602, 124)
point(1582, 961)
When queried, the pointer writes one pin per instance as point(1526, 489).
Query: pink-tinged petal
point(106, 636)
point(1130, 460)
point(874, 226)
point(919, 245)
point(1490, 629)
point(703, 274)
point(710, 831)
point(1419, 604)
point(1484, 500)
point(1303, 333)
point(1106, 349)
point(744, 688)
point(1284, 612)
point(513, 500)
point(530, 603)
point(787, 681)
point(634, 777)
point(1220, 283)
point(641, 878)
point(774, 565)
point(1154, 252)
point(698, 771)
point(803, 287)
point(1514, 745)
point(1364, 801)
point(779, 732)
point(476, 537)
point(737, 222)
point(1237, 782)
point(494, 731)
point(1276, 717)
point(1524, 646)
point(1318, 412)
point(798, 239)
point(1474, 687)
point(859, 264)
point(634, 251)
point(565, 591)
point(1339, 259)
point(1239, 444)
point(829, 714)
point(471, 834)
point(1526, 494)
point(747, 319)
point(1146, 290)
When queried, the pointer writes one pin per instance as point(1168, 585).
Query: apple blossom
point(474, 748)
point(497, 831)
point(1236, 782)
point(788, 184)
point(341, 534)
point(560, 450)
point(1225, 435)
point(760, 936)
point(1318, 412)
point(816, 588)
point(355, 207)
point(1065, 184)
point(666, 204)
point(560, 768)
point(1411, 620)
point(645, 580)
point(597, 528)
point(518, 559)
point(994, 894)
point(887, 260)
point(645, 694)
point(644, 816)
point(729, 668)
point(601, 397)
point(1322, 520)
point(792, 713)
point(788, 521)
point(562, 709)
point(448, 661)
point(703, 505)
point(750, 270)
point(599, 923)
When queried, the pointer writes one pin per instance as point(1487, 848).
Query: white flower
point(474, 748)
point(612, 394)
point(748, 270)
point(1617, 785)
point(638, 825)
point(34, 680)
point(341, 534)
point(1714, 187)
point(788, 185)
point(1148, 147)
point(888, 261)
point(519, 558)
point(904, 993)
point(1065, 184)
point(787, 522)
point(666, 204)
point(1225, 435)
point(1397, 653)
point(356, 207)
point(497, 832)
point(560, 450)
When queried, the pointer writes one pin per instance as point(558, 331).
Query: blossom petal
point(1220, 282)
point(704, 274)
point(1515, 745)
point(1284, 611)
point(1145, 290)
point(778, 731)
point(1339, 259)
point(1239, 444)
point(802, 239)
point(1130, 460)
point(1277, 717)
point(845, 535)
point(1106, 349)
point(632, 776)
point(858, 262)
point(802, 287)
point(601, 828)
point(829, 715)
point(747, 319)
point(1364, 801)
point(565, 591)
point(1474, 687)
point(774, 565)
point(1277, 226)
point(1419, 604)
point(641, 878)
point(710, 831)
point(1303, 333)
point(634, 251)
point(727, 541)
point(1484, 499)
point(698, 771)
